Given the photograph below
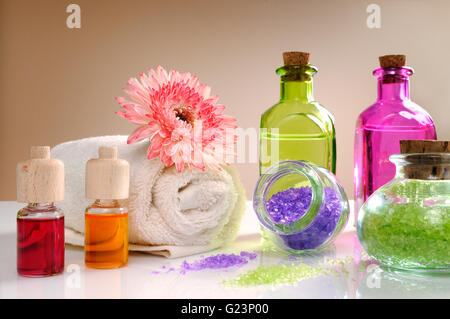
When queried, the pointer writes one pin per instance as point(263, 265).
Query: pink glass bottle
point(40, 225)
point(380, 128)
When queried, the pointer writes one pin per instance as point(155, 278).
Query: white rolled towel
point(170, 213)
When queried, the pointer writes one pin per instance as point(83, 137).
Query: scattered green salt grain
point(289, 273)
point(339, 264)
point(274, 275)
point(267, 246)
point(362, 266)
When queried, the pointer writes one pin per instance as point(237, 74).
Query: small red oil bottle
point(40, 225)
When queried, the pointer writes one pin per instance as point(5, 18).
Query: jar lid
point(107, 177)
point(41, 178)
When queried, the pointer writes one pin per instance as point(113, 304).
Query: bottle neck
point(296, 82)
point(41, 206)
point(393, 83)
point(106, 203)
point(296, 90)
point(423, 166)
point(40, 210)
point(393, 91)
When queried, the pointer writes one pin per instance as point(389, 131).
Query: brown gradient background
point(59, 84)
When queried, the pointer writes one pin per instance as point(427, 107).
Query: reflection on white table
point(137, 281)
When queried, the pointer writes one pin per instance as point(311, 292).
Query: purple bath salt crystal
point(291, 204)
point(247, 254)
point(220, 261)
point(170, 270)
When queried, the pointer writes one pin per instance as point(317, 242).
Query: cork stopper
point(41, 178)
point(295, 58)
point(428, 163)
point(392, 61)
point(424, 146)
point(107, 177)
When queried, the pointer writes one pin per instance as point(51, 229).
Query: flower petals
point(184, 124)
point(139, 134)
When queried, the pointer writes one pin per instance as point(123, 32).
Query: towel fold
point(170, 213)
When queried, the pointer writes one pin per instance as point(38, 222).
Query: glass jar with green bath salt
point(405, 224)
point(301, 206)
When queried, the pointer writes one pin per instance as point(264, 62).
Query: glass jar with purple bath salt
point(301, 206)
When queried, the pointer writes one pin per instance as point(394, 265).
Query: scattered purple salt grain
point(247, 254)
point(170, 270)
point(291, 204)
point(220, 261)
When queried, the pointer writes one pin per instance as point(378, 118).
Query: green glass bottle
point(297, 127)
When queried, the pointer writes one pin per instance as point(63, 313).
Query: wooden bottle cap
point(392, 61)
point(107, 177)
point(41, 178)
point(40, 152)
point(295, 58)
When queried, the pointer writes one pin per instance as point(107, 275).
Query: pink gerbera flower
point(184, 124)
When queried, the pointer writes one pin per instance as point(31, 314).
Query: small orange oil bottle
point(106, 221)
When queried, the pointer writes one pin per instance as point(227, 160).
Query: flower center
point(183, 113)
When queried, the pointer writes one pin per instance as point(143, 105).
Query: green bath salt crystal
point(410, 234)
point(275, 275)
point(285, 274)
